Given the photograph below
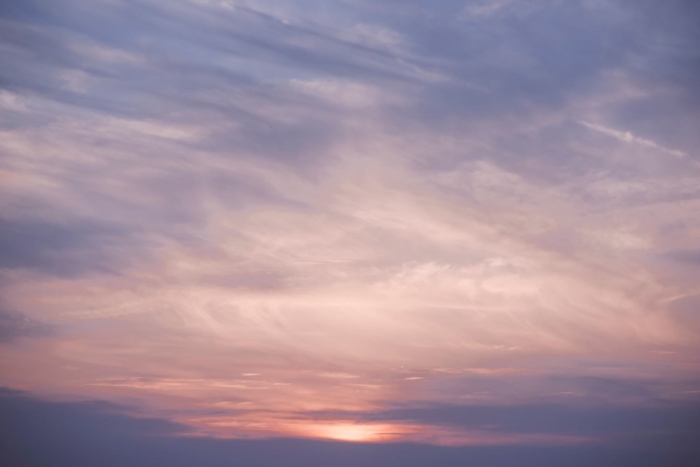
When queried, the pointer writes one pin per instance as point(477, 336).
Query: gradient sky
point(436, 229)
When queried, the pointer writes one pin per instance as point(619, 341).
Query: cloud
point(15, 325)
point(68, 249)
point(217, 205)
point(628, 137)
point(484, 9)
point(96, 432)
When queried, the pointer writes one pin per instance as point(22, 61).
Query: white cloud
point(629, 137)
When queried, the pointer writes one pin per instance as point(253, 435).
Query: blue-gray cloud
point(14, 325)
point(69, 249)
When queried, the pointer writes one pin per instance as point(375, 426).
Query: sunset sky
point(349, 232)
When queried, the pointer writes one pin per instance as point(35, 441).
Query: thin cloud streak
point(628, 137)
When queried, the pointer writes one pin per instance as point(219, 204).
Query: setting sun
point(357, 432)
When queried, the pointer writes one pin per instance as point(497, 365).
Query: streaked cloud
point(628, 137)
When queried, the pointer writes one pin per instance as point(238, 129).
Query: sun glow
point(356, 432)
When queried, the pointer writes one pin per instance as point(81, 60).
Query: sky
point(349, 232)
